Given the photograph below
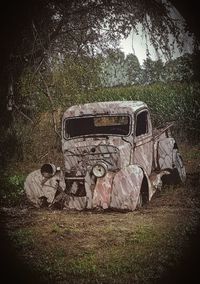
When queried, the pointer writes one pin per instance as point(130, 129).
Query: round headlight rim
point(102, 165)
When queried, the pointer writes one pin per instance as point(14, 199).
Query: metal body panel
point(165, 153)
point(85, 153)
point(126, 188)
point(143, 153)
point(102, 191)
point(104, 107)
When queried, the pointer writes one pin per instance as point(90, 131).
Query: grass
point(110, 247)
point(23, 238)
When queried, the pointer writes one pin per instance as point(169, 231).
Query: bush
point(11, 190)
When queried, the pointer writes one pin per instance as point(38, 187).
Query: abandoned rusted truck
point(113, 158)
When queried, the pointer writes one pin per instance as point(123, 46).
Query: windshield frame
point(97, 135)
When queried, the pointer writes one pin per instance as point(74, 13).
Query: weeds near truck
point(12, 189)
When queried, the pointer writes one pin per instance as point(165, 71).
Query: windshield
point(102, 125)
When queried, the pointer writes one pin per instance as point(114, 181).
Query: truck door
point(143, 146)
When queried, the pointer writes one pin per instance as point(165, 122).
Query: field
point(156, 244)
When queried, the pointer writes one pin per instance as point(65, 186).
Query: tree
point(152, 71)
point(133, 69)
point(42, 27)
point(179, 69)
point(196, 65)
point(113, 72)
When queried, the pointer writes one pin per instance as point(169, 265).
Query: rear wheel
point(177, 174)
point(179, 167)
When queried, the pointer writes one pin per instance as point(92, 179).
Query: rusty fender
point(118, 190)
point(102, 191)
point(126, 188)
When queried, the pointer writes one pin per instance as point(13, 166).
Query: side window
point(142, 123)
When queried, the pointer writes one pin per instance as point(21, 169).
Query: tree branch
point(22, 113)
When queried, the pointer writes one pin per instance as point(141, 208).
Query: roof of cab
point(113, 107)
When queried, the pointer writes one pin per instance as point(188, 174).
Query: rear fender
point(126, 188)
point(165, 153)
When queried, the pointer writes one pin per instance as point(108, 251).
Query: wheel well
point(145, 190)
point(175, 146)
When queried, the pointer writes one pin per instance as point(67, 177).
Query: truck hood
point(79, 154)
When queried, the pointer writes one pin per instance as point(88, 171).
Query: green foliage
point(70, 79)
point(180, 69)
point(75, 80)
point(11, 189)
point(172, 102)
point(133, 69)
point(23, 238)
point(16, 181)
point(178, 102)
point(116, 69)
point(62, 81)
point(152, 71)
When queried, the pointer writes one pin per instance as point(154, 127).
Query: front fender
point(102, 191)
point(126, 188)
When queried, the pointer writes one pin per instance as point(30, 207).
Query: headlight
point(99, 170)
